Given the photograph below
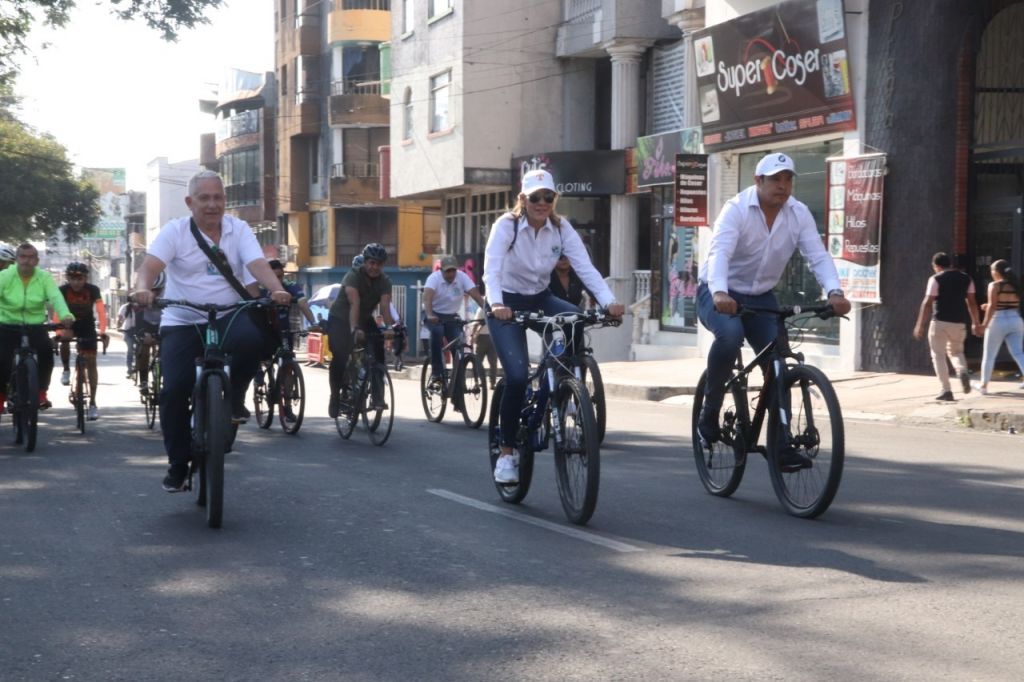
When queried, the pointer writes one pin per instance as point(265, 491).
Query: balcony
point(359, 20)
point(355, 183)
point(358, 104)
point(300, 38)
point(587, 25)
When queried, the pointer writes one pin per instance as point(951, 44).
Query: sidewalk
point(904, 398)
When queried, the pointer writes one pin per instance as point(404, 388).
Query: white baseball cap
point(538, 179)
point(774, 163)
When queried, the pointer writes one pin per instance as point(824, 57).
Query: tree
point(168, 17)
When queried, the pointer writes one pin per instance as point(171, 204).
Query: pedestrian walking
point(949, 295)
point(1002, 323)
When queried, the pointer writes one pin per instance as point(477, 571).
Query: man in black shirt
point(950, 298)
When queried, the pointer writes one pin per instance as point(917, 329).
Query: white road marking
point(547, 525)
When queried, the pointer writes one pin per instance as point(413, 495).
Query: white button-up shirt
point(526, 269)
point(448, 297)
point(748, 258)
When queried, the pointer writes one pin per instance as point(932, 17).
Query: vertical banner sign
point(691, 190)
point(855, 191)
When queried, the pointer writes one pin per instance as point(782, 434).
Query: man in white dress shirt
point(444, 295)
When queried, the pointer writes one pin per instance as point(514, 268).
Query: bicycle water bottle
point(557, 342)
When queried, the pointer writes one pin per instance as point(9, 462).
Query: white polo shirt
point(191, 275)
point(448, 298)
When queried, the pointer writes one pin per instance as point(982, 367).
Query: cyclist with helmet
point(146, 330)
point(7, 256)
point(298, 297)
point(350, 322)
point(82, 297)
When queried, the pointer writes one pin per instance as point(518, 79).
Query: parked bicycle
point(79, 394)
point(557, 410)
point(212, 429)
point(463, 382)
point(369, 396)
point(803, 416)
point(279, 382)
point(23, 388)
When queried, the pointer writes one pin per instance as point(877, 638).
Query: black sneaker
point(174, 481)
point(239, 414)
point(965, 381)
point(332, 406)
point(707, 426)
point(945, 396)
point(791, 459)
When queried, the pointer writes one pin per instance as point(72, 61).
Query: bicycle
point(149, 392)
point(79, 394)
point(803, 413)
point(366, 377)
point(568, 420)
point(279, 381)
point(465, 386)
point(213, 431)
point(23, 386)
point(591, 375)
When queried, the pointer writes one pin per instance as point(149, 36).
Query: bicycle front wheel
point(379, 410)
point(816, 433)
point(721, 464)
point(78, 397)
point(471, 385)
point(432, 395)
point(577, 453)
point(291, 394)
point(516, 492)
point(218, 424)
point(595, 387)
point(262, 394)
point(26, 423)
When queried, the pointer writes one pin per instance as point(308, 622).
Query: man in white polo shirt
point(443, 299)
point(192, 276)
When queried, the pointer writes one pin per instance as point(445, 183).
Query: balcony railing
point(242, 123)
point(579, 10)
point(382, 5)
point(351, 87)
point(355, 169)
point(641, 285)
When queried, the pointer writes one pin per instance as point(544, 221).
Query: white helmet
point(7, 253)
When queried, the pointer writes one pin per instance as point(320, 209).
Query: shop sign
point(579, 174)
point(854, 239)
point(691, 190)
point(655, 155)
point(779, 73)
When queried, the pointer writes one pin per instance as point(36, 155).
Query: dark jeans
point(485, 349)
point(180, 345)
point(759, 330)
point(446, 328)
point(509, 340)
point(39, 339)
point(339, 337)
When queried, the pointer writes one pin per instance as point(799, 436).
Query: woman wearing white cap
point(522, 250)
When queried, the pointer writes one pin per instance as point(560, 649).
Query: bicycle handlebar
point(215, 307)
point(823, 311)
point(587, 318)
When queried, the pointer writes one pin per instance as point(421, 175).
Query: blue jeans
point(759, 330)
point(1007, 327)
point(509, 340)
point(180, 345)
point(447, 327)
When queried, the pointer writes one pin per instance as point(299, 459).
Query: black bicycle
point(279, 382)
point(80, 390)
point(149, 389)
point(212, 429)
point(463, 382)
point(805, 443)
point(369, 396)
point(557, 409)
point(23, 387)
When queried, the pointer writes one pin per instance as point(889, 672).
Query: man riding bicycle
point(444, 293)
point(25, 291)
point(754, 237)
point(82, 297)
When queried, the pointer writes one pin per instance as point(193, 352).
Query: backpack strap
point(515, 230)
point(219, 260)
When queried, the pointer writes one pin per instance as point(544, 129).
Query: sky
point(116, 95)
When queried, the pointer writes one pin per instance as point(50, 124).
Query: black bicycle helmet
point(76, 268)
point(160, 281)
point(357, 261)
point(375, 251)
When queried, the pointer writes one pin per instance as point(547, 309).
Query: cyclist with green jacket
point(24, 292)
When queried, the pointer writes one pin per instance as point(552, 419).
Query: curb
point(979, 418)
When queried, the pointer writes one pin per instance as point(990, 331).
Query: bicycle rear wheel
point(816, 427)
point(471, 386)
point(432, 396)
point(217, 425)
point(291, 393)
point(721, 464)
point(26, 423)
point(515, 493)
point(78, 397)
point(262, 394)
point(578, 455)
point(595, 387)
point(379, 410)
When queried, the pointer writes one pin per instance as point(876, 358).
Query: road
point(341, 560)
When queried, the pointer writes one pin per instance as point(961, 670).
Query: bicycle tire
point(263, 387)
point(515, 493)
point(471, 387)
point(217, 423)
point(349, 411)
point(291, 393)
point(434, 400)
point(578, 455)
point(382, 420)
point(28, 388)
point(595, 387)
point(721, 464)
point(816, 422)
point(153, 393)
point(78, 397)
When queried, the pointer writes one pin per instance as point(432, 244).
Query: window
point(318, 234)
point(284, 80)
point(407, 16)
point(355, 70)
point(439, 7)
point(241, 172)
point(407, 115)
point(468, 225)
point(440, 89)
point(314, 160)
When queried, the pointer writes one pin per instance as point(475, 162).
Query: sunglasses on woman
point(546, 197)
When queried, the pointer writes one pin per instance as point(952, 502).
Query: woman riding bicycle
point(24, 292)
point(522, 250)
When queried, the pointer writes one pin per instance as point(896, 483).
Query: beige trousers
point(947, 338)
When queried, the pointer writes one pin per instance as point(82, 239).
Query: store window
point(468, 220)
point(681, 260)
point(798, 283)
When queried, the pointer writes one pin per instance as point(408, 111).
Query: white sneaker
point(979, 388)
point(506, 470)
point(94, 413)
point(65, 377)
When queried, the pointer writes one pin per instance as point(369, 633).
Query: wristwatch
point(836, 292)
